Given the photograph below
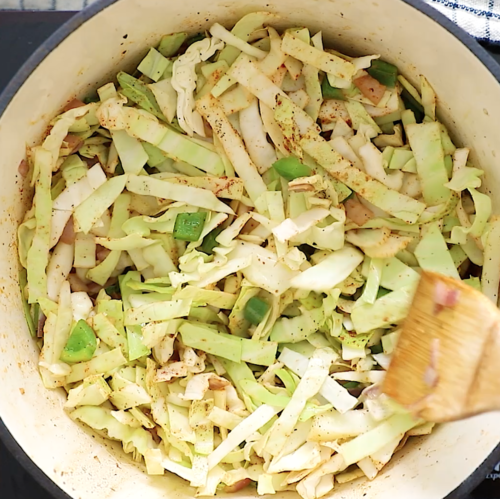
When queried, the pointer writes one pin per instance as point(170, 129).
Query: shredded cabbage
point(240, 280)
point(331, 271)
point(184, 82)
point(233, 146)
point(150, 186)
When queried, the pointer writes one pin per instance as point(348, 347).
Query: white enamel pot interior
point(111, 36)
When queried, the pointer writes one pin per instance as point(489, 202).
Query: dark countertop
point(20, 34)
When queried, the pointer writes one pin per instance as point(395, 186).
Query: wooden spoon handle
point(447, 361)
point(484, 391)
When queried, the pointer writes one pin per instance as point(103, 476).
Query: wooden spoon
point(446, 364)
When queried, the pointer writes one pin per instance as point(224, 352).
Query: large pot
point(110, 36)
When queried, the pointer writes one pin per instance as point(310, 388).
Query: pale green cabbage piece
point(372, 441)
point(91, 210)
point(312, 380)
point(432, 253)
point(332, 425)
point(71, 197)
point(146, 127)
point(202, 198)
point(491, 269)
point(360, 116)
point(396, 274)
point(166, 97)
point(483, 207)
point(224, 419)
point(263, 270)
point(391, 201)
point(161, 311)
point(211, 341)
point(261, 353)
point(389, 309)
point(153, 65)
point(184, 82)
point(261, 395)
point(101, 364)
point(130, 151)
point(329, 272)
point(59, 268)
point(218, 31)
point(425, 142)
point(465, 178)
point(134, 337)
point(133, 439)
point(332, 391)
point(247, 427)
point(233, 146)
point(260, 150)
point(312, 87)
point(38, 253)
point(296, 329)
point(243, 29)
point(93, 391)
point(227, 188)
point(290, 227)
point(108, 333)
point(218, 299)
point(331, 64)
point(127, 394)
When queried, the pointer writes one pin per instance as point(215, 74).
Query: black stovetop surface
point(20, 34)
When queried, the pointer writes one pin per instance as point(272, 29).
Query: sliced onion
point(77, 284)
point(73, 142)
point(91, 161)
point(237, 486)
point(68, 235)
point(370, 88)
point(217, 383)
point(73, 104)
point(40, 325)
point(357, 212)
point(102, 253)
point(23, 168)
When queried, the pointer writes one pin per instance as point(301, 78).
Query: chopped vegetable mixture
point(223, 245)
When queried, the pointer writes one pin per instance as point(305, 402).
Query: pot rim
point(470, 482)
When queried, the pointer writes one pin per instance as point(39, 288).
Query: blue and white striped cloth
point(481, 18)
point(45, 4)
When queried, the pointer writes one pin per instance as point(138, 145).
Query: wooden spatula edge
point(446, 364)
